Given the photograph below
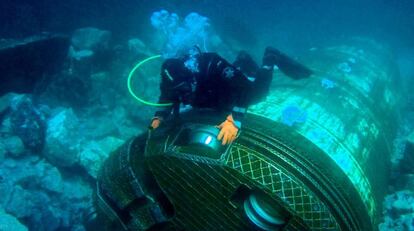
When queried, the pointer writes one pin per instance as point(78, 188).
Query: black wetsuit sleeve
point(241, 91)
point(240, 88)
point(168, 95)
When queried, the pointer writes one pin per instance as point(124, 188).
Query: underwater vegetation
point(292, 115)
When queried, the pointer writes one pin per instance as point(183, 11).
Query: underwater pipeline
point(313, 156)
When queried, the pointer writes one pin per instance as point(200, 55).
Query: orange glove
point(228, 131)
point(155, 122)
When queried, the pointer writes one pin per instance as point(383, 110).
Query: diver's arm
point(164, 112)
point(161, 115)
point(167, 95)
point(239, 88)
point(231, 125)
point(240, 92)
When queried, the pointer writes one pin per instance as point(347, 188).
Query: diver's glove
point(228, 131)
point(155, 123)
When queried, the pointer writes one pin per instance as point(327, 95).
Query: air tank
point(313, 156)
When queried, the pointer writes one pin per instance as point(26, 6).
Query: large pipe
point(341, 123)
point(312, 156)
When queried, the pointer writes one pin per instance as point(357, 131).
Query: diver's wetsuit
point(206, 80)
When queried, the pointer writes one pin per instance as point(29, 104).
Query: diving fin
point(287, 65)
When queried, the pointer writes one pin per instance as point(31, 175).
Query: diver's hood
point(177, 70)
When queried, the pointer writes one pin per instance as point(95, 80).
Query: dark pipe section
point(25, 63)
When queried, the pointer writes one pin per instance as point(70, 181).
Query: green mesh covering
point(279, 181)
point(344, 110)
point(317, 149)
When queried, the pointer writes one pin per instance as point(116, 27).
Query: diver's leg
point(245, 63)
point(259, 77)
point(287, 65)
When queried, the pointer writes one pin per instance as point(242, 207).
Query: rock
point(48, 220)
point(2, 152)
point(35, 191)
point(95, 153)
point(5, 101)
point(101, 77)
point(77, 198)
point(90, 50)
point(403, 223)
point(90, 38)
point(78, 228)
point(6, 126)
point(30, 172)
point(398, 211)
point(403, 181)
point(110, 144)
point(36, 207)
point(52, 180)
point(116, 122)
point(28, 123)
point(6, 190)
point(407, 222)
point(21, 204)
point(409, 181)
point(410, 139)
point(400, 202)
point(129, 129)
point(8, 222)
point(13, 146)
point(386, 224)
point(62, 139)
point(19, 171)
point(80, 55)
point(407, 161)
point(137, 47)
point(82, 191)
point(58, 94)
point(100, 127)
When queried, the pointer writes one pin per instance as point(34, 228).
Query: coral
point(398, 211)
point(292, 115)
point(327, 83)
point(345, 67)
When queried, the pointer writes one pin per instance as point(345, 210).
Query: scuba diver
point(205, 80)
